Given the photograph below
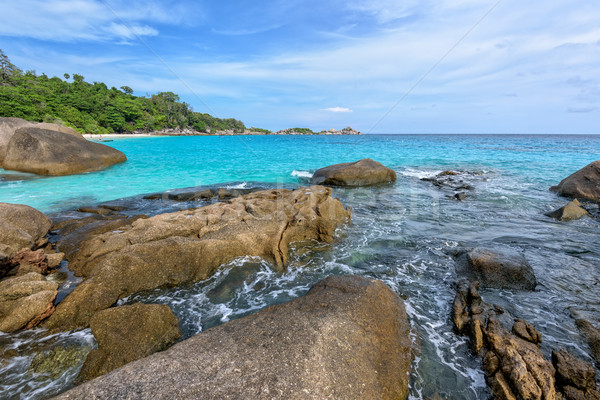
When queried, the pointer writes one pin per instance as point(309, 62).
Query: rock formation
point(189, 246)
point(572, 210)
point(348, 337)
point(47, 152)
point(583, 184)
point(128, 333)
point(364, 172)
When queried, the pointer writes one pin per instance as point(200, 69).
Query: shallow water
point(403, 234)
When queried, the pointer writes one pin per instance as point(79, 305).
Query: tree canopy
point(94, 108)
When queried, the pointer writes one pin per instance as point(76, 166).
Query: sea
point(404, 234)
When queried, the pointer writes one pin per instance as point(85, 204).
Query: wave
point(302, 174)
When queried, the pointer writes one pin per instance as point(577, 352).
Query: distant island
point(93, 108)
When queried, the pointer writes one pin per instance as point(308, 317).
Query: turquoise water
point(403, 234)
point(161, 163)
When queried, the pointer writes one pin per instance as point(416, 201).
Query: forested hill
point(94, 108)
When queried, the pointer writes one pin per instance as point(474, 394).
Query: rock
point(526, 331)
point(54, 259)
point(592, 336)
point(126, 334)
point(348, 337)
point(575, 378)
point(360, 173)
point(460, 196)
point(94, 210)
point(55, 362)
point(47, 152)
point(502, 269)
point(571, 211)
point(583, 184)
point(25, 301)
point(21, 227)
point(189, 246)
point(26, 261)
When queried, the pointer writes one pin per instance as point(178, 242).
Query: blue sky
point(380, 66)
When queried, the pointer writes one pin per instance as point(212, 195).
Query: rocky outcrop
point(25, 301)
point(583, 184)
point(575, 379)
point(8, 126)
point(126, 334)
point(47, 152)
point(571, 211)
point(459, 183)
point(348, 337)
point(21, 227)
point(190, 245)
point(592, 336)
point(364, 172)
point(503, 269)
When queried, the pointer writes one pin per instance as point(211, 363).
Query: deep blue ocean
point(404, 234)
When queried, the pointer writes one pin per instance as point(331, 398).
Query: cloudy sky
point(381, 66)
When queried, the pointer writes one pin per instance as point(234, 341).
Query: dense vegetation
point(94, 108)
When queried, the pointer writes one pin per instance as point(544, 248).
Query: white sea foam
point(242, 185)
point(302, 174)
point(419, 173)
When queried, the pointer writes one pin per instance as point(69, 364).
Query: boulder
point(126, 334)
point(25, 301)
point(572, 210)
point(53, 364)
point(348, 337)
point(364, 172)
point(26, 261)
point(503, 269)
point(21, 227)
point(46, 152)
point(583, 184)
point(189, 246)
point(575, 378)
point(592, 337)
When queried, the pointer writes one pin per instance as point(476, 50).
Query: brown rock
point(497, 268)
point(32, 261)
point(526, 331)
point(583, 184)
point(25, 301)
point(364, 172)
point(94, 210)
point(592, 336)
point(575, 378)
point(128, 333)
point(190, 245)
point(54, 259)
point(571, 211)
point(348, 337)
point(47, 152)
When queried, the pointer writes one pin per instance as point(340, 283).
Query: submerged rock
point(126, 334)
point(55, 362)
point(572, 210)
point(189, 246)
point(583, 184)
point(348, 337)
point(364, 172)
point(25, 301)
point(504, 269)
point(47, 152)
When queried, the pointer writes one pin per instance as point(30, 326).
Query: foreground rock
point(364, 172)
point(576, 379)
point(583, 184)
point(571, 211)
point(47, 152)
point(348, 337)
point(190, 245)
point(592, 336)
point(21, 227)
point(503, 269)
point(126, 334)
point(25, 301)
point(8, 126)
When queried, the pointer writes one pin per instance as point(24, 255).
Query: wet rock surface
point(583, 184)
point(571, 211)
point(497, 268)
point(365, 172)
point(128, 333)
point(189, 246)
point(348, 337)
point(576, 379)
point(459, 183)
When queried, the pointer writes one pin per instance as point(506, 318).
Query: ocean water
point(404, 234)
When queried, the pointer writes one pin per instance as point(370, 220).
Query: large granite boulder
point(25, 301)
point(8, 126)
point(347, 338)
point(503, 269)
point(21, 227)
point(572, 210)
point(189, 246)
point(47, 152)
point(583, 184)
point(126, 334)
point(364, 172)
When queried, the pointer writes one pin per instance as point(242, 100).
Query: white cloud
point(338, 109)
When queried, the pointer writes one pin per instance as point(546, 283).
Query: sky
point(380, 66)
